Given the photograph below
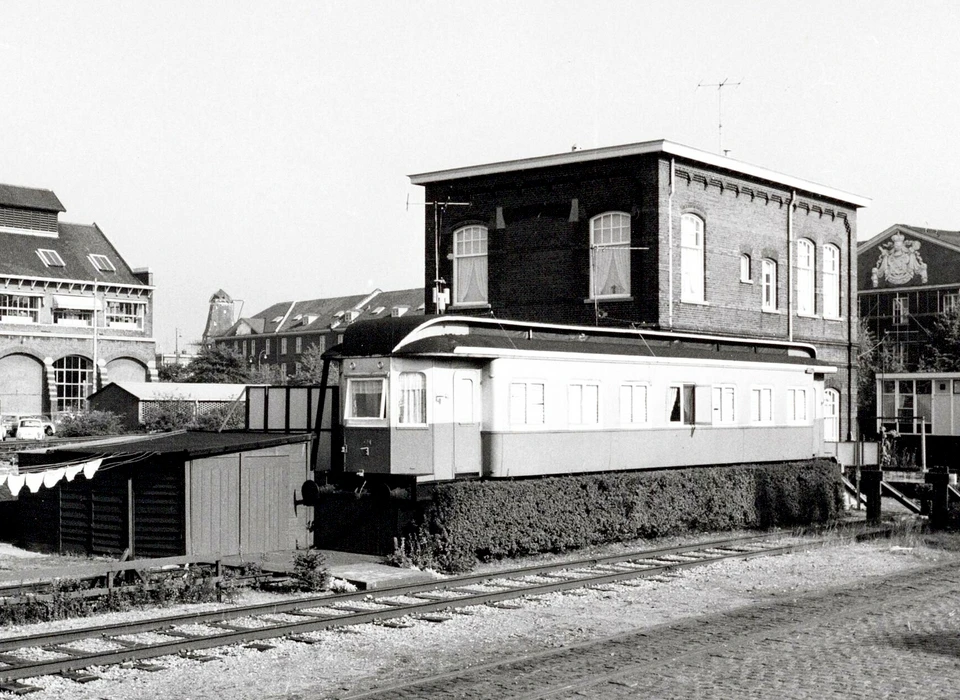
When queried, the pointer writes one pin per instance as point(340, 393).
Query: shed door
point(214, 514)
point(466, 422)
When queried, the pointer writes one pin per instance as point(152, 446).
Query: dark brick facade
point(538, 220)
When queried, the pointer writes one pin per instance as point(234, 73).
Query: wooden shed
point(191, 493)
point(136, 402)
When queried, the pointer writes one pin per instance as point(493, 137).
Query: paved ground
point(896, 637)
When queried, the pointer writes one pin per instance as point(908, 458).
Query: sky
point(264, 148)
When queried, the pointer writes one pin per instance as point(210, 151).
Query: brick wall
point(538, 224)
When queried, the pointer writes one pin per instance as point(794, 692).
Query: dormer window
point(51, 258)
point(377, 311)
point(102, 263)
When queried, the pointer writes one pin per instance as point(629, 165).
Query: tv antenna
point(722, 84)
point(441, 297)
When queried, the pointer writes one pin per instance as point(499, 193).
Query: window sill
point(604, 300)
point(833, 318)
point(693, 302)
point(746, 281)
point(801, 315)
point(775, 312)
point(406, 426)
point(475, 305)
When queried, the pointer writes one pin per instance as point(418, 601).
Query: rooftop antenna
point(441, 297)
point(722, 84)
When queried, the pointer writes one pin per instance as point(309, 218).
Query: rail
point(297, 618)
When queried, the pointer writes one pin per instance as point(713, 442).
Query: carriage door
point(466, 422)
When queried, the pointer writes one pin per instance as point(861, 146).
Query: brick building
point(655, 235)
point(73, 314)
point(901, 291)
point(282, 332)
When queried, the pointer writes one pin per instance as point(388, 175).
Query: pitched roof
point(663, 146)
point(951, 238)
point(192, 443)
point(321, 314)
point(29, 198)
point(178, 391)
point(74, 243)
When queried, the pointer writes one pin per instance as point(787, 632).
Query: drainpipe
point(670, 244)
point(793, 199)
point(853, 428)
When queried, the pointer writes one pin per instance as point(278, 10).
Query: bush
point(469, 520)
point(229, 416)
point(89, 423)
point(168, 414)
point(310, 570)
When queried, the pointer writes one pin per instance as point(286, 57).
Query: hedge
point(469, 520)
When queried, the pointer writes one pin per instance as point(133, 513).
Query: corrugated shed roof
point(74, 244)
point(194, 443)
point(29, 198)
point(185, 391)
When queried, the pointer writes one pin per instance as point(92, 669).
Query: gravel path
point(352, 660)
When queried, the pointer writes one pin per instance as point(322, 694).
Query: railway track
point(70, 652)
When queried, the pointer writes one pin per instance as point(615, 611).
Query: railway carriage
point(435, 399)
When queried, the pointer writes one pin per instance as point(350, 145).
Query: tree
point(172, 372)
point(311, 368)
point(267, 374)
point(941, 352)
point(217, 364)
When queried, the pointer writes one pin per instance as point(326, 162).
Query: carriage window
point(723, 404)
point(831, 415)
point(583, 404)
point(797, 405)
point(633, 403)
point(365, 398)
point(761, 405)
point(526, 403)
point(681, 404)
point(413, 399)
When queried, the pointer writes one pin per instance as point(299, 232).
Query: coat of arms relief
point(899, 262)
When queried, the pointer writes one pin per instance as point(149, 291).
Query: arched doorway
point(125, 369)
point(21, 384)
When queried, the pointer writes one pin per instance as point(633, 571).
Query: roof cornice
point(665, 147)
point(58, 280)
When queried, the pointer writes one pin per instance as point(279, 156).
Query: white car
point(30, 429)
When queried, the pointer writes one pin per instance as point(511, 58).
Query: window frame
point(622, 243)
point(349, 412)
point(806, 267)
point(830, 282)
point(746, 268)
point(629, 417)
point(529, 401)
point(761, 397)
point(101, 263)
point(459, 245)
point(901, 310)
point(693, 263)
point(718, 415)
point(579, 404)
point(769, 285)
point(794, 402)
point(405, 393)
point(114, 313)
point(14, 312)
point(686, 394)
point(831, 420)
point(50, 257)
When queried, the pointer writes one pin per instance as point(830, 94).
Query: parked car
point(9, 423)
point(30, 429)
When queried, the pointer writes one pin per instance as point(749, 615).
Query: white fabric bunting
point(15, 483)
point(52, 477)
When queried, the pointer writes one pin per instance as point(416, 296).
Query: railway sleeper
point(18, 688)
point(79, 676)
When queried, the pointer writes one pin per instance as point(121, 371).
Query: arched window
point(768, 285)
point(831, 415)
point(610, 255)
point(470, 265)
point(691, 258)
point(831, 281)
point(805, 277)
point(73, 377)
point(745, 271)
